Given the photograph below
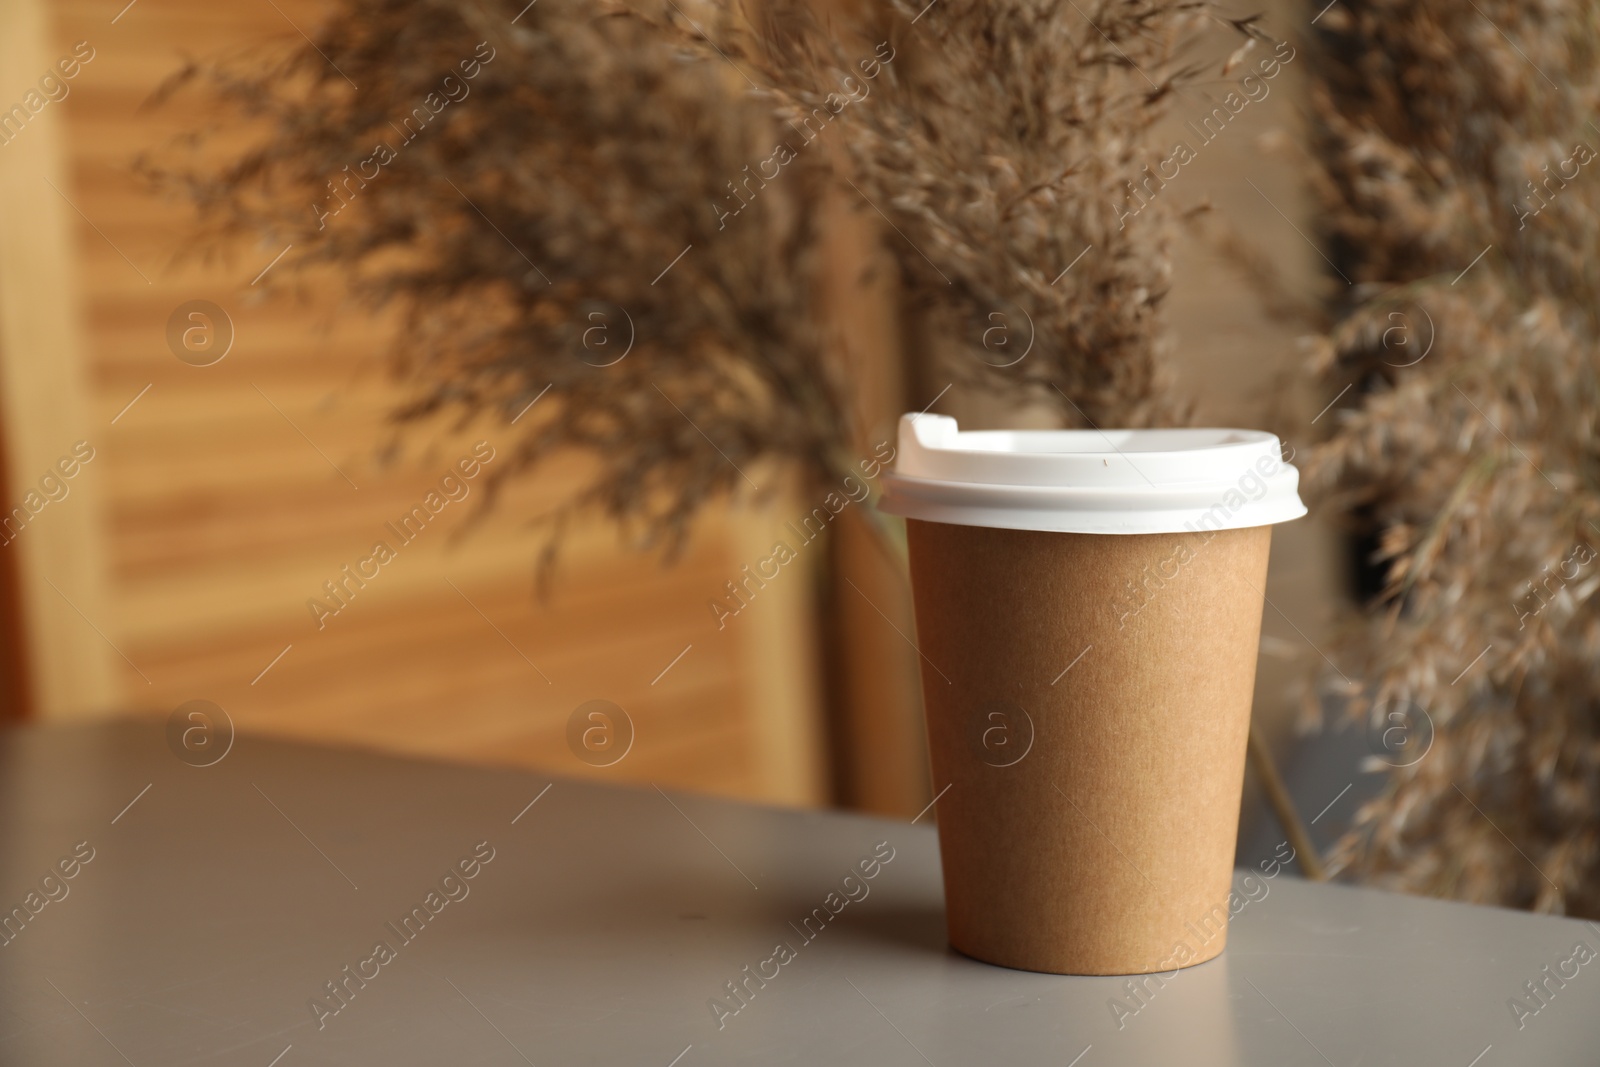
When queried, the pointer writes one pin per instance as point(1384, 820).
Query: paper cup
point(1088, 613)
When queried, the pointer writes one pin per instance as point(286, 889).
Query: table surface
point(220, 901)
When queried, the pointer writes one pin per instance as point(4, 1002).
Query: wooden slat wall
point(54, 660)
point(225, 513)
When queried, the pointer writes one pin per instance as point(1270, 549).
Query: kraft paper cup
point(1088, 613)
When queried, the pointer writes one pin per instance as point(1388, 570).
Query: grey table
point(602, 926)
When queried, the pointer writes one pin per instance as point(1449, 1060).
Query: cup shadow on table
point(907, 926)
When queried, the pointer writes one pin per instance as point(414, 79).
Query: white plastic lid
point(1090, 481)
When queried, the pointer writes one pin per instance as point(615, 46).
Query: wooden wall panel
point(55, 561)
point(232, 492)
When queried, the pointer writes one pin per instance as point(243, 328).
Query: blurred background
point(222, 497)
point(235, 453)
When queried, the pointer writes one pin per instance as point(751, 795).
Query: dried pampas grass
point(1004, 147)
point(555, 217)
point(615, 166)
point(1461, 196)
